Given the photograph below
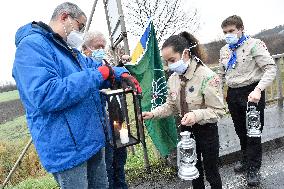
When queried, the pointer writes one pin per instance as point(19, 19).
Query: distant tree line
point(8, 86)
point(273, 38)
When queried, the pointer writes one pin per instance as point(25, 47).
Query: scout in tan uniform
point(247, 68)
point(195, 94)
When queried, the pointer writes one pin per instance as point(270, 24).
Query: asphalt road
point(272, 172)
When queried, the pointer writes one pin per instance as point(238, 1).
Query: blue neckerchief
point(233, 58)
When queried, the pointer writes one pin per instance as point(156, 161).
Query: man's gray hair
point(73, 10)
point(90, 35)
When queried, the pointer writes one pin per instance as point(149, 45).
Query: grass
point(14, 136)
point(8, 96)
point(45, 182)
point(14, 131)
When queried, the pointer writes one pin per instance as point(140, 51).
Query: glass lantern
point(123, 114)
point(253, 123)
point(186, 157)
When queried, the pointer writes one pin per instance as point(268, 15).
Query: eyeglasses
point(81, 25)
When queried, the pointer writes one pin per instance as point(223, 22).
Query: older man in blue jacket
point(59, 88)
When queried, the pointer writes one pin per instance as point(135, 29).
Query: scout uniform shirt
point(253, 64)
point(203, 95)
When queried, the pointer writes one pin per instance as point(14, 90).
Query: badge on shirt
point(191, 89)
point(215, 81)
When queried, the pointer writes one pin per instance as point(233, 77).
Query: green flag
point(150, 74)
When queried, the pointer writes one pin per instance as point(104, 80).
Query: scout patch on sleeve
point(258, 46)
point(261, 43)
point(205, 83)
point(215, 82)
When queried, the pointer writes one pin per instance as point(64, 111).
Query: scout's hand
point(147, 115)
point(125, 58)
point(130, 81)
point(188, 119)
point(255, 95)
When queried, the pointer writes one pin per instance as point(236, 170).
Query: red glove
point(107, 73)
point(130, 81)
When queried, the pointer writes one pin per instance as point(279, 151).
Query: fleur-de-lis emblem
point(159, 91)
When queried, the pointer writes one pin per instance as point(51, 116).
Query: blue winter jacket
point(59, 88)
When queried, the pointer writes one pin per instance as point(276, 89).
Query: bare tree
point(168, 16)
point(118, 52)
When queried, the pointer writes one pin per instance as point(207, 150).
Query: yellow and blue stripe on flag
point(141, 46)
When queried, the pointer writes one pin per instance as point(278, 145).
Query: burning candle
point(124, 136)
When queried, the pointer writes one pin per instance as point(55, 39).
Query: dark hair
point(233, 20)
point(185, 40)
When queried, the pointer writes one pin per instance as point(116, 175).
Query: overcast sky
point(256, 14)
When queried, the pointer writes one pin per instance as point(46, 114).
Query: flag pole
point(145, 152)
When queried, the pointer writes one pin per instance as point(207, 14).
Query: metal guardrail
point(275, 91)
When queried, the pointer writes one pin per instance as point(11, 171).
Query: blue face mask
point(99, 54)
point(179, 67)
point(231, 38)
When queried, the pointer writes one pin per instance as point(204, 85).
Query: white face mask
point(179, 66)
point(75, 38)
point(231, 38)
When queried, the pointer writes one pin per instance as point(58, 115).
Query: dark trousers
point(115, 161)
point(207, 146)
point(250, 146)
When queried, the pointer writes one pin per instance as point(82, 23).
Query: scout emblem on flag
point(159, 91)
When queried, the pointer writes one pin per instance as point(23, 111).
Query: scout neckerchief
point(233, 60)
point(183, 103)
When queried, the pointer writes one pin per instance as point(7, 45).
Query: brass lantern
point(186, 157)
point(123, 114)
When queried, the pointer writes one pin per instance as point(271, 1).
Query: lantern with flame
point(124, 116)
point(186, 157)
point(253, 123)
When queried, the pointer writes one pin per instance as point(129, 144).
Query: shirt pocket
point(194, 100)
point(244, 62)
